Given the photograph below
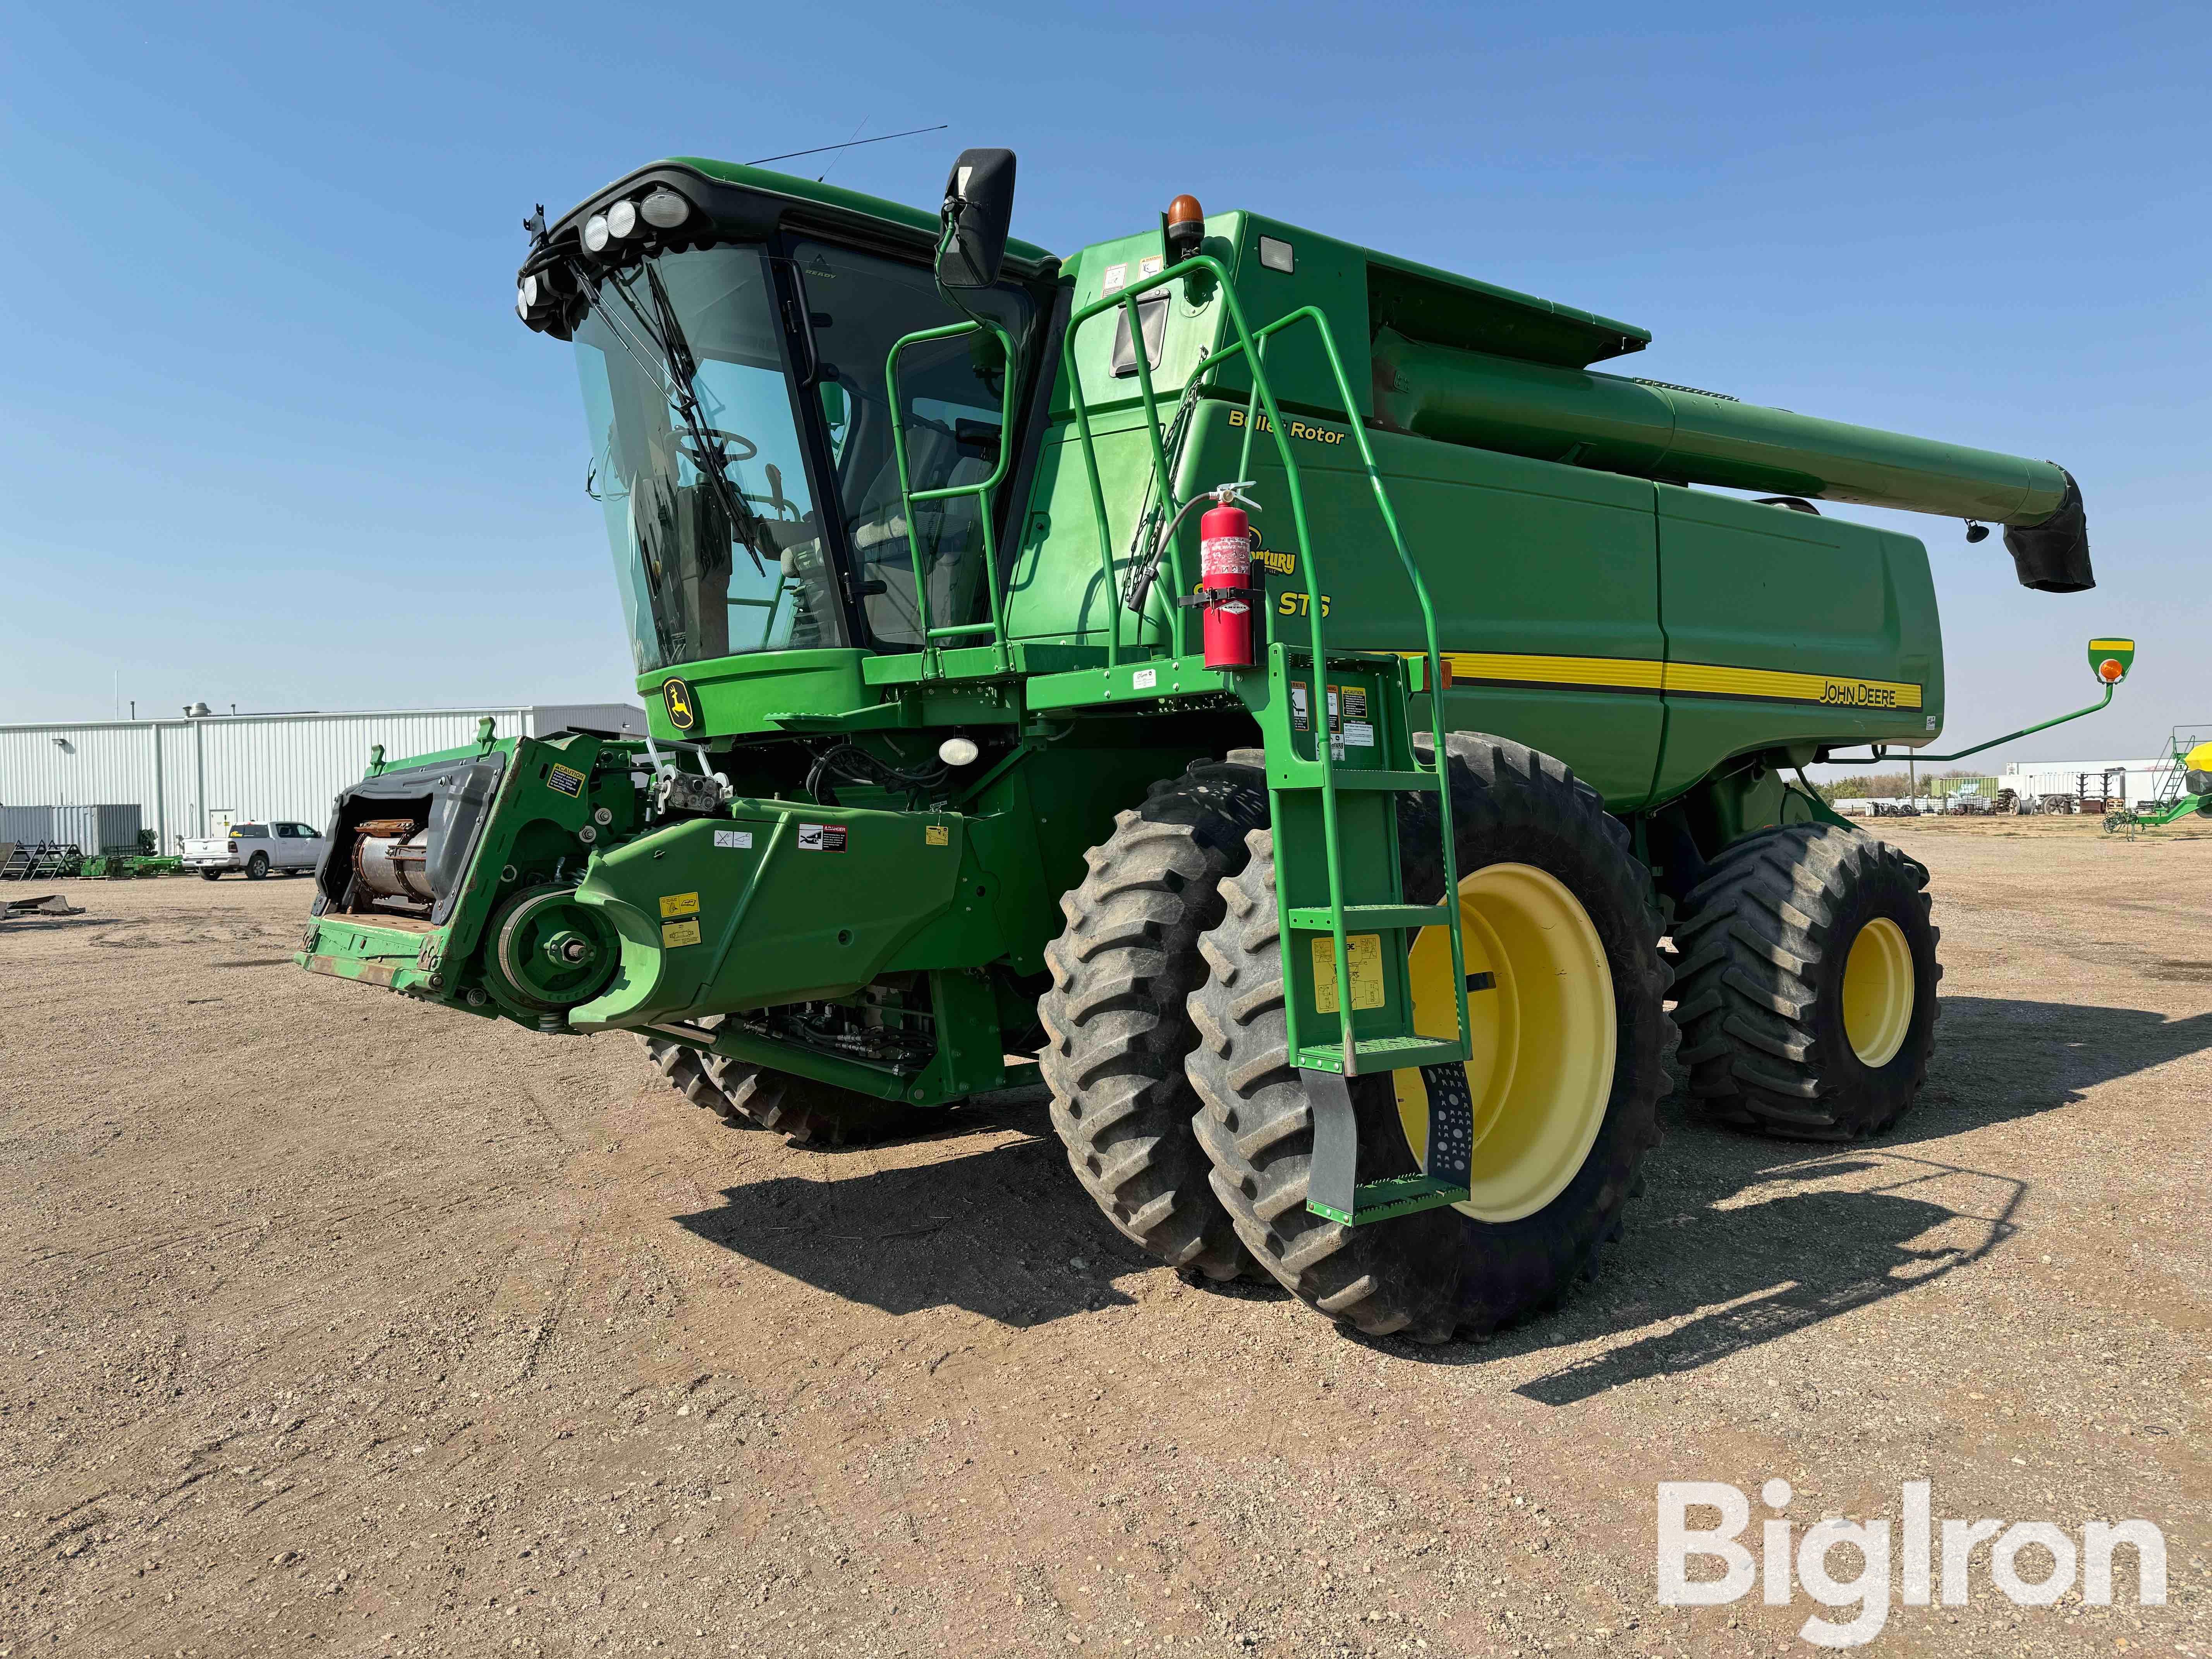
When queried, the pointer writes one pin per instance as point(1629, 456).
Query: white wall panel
point(265, 766)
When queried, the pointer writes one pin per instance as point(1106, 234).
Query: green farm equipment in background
point(1333, 856)
point(2185, 790)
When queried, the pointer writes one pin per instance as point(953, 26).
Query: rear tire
point(1442, 1272)
point(257, 866)
point(819, 1113)
point(749, 1096)
point(681, 1066)
point(1807, 983)
point(210, 875)
point(1117, 1021)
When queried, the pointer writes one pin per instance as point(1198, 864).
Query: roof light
point(595, 233)
point(522, 302)
point(665, 209)
point(622, 220)
point(1186, 228)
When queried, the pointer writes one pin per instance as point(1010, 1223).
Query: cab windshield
point(697, 461)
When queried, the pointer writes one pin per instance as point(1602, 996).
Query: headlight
point(595, 233)
point(622, 220)
point(665, 209)
point(958, 751)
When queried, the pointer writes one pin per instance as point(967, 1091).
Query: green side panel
point(1324, 273)
point(735, 695)
point(717, 916)
point(1837, 620)
point(1193, 327)
point(1057, 593)
point(1522, 558)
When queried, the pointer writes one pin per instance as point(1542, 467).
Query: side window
point(860, 304)
point(285, 832)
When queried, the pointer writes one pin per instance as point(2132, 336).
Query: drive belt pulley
point(550, 953)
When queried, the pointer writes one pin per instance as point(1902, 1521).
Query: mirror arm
point(2025, 730)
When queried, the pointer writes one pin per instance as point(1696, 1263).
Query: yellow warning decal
point(936, 835)
point(1364, 953)
point(1692, 679)
point(673, 933)
point(678, 904)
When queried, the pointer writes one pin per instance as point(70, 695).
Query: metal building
point(188, 774)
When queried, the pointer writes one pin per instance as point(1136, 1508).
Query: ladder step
point(1384, 1054)
point(1306, 775)
point(1378, 1200)
point(1370, 918)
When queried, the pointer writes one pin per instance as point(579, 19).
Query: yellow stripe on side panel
point(1621, 673)
point(1688, 678)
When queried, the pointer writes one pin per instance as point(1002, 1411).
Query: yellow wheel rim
point(1541, 1071)
point(1878, 992)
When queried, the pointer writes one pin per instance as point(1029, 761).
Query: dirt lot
point(333, 1325)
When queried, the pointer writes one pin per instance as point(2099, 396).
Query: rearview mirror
point(979, 206)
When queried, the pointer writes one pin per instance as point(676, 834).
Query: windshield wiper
point(681, 369)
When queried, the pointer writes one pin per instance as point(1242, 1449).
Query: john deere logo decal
point(2111, 659)
point(683, 706)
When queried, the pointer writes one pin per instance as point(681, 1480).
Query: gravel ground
point(329, 1324)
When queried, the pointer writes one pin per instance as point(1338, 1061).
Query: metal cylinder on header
point(1225, 563)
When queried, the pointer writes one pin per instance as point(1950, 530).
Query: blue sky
point(270, 433)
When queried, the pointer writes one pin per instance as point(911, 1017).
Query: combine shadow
point(1747, 1243)
point(1998, 1059)
point(1744, 1239)
point(1006, 1233)
point(1786, 1247)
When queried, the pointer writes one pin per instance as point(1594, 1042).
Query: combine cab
point(1283, 696)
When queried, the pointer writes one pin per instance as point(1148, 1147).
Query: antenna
point(850, 143)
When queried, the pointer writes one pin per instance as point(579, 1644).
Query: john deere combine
point(1279, 694)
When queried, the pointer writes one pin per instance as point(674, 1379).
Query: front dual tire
point(1174, 1097)
point(1571, 1034)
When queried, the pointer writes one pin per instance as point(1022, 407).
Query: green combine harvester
point(1279, 694)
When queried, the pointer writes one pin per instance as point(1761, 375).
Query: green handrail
point(1250, 345)
point(996, 628)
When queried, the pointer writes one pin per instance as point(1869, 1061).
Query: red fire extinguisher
point(1225, 563)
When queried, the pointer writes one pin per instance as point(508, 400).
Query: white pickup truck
point(255, 848)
